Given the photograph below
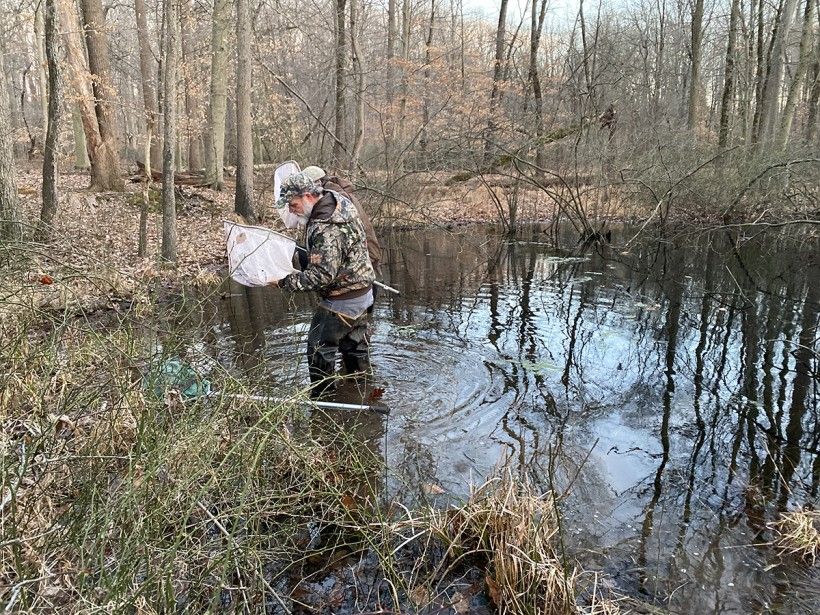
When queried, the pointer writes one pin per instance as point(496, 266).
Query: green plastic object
point(176, 374)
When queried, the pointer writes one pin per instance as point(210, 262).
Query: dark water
point(669, 387)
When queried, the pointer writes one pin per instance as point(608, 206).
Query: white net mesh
point(256, 255)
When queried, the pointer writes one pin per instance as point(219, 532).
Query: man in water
point(339, 269)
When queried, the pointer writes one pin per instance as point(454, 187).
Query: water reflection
point(674, 388)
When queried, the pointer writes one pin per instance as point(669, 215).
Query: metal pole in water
point(386, 287)
point(327, 405)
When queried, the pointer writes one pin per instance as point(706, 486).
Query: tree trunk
point(770, 102)
point(391, 49)
point(180, 157)
point(760, 69)
point(39, 41)
point(142, 239)
point(584, 49)
point(215, 141)
point(814, 99)
point(50, 153)
point(192, 125)
point(797, 80)
point(390, 84)
point(593, 53)
point(339, 110)
point(498, 66)
point(27, 89)
point(405, 54)
point(425, 115)
point(169, 106)
point(78, 76)
point(729, 78)
point(660, 60)
point(358, 71)
point(243, 205)
point(462, 36)
point(99, 63)
point(151, 144)
point(149, 83)
point(536, 27)
point(11, 228)
point(693, 116)
point(81, 161)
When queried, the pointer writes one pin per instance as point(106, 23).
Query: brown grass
point(797, 533)
point(514, 530)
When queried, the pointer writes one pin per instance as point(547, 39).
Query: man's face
point(297, 205)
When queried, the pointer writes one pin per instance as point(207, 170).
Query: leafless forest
point(702, 107)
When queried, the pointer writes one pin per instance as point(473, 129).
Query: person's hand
point(274, 283)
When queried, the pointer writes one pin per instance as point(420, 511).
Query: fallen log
point(180, 178)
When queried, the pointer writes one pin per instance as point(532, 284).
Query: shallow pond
point(669, 387)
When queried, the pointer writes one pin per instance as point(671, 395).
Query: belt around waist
point(351, 294)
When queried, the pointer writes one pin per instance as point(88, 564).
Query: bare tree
point(391, 49)
point(406, 10)
point(770, 98)
point(425, 107)
point(390, 82)
point(586, 50)
point(77, 73)
point(799, 76)
point(498, 67)
point(756, 42)
point(660, 63)
point(539, 12)
point(696, 50)
point(340, 105)
point(243, 204)
point(169, 114)
point(358, 72)
point(11, 228)
point(729, 77)
point(148, 74)
point(50, 153)
point(39, 36)
point(192, 130)
point(151, 144)
point(99, 62)
point(218, 103)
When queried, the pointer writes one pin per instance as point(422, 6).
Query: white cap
point(315, 173)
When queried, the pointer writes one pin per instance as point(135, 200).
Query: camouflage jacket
point(345, 188)
point(338, 263)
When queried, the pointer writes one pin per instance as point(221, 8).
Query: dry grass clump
point(515, 530)
point(798, 533)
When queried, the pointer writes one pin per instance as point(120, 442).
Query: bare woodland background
point(707, 106)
